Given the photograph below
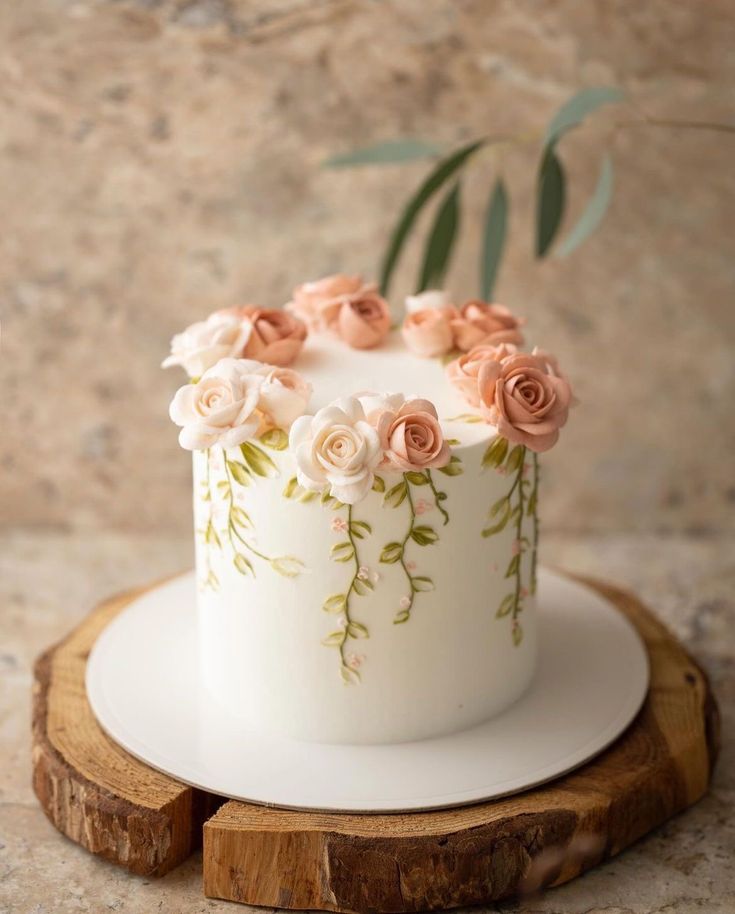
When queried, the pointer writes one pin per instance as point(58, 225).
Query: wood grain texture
point(482, 853)
point(115, 806)
point(91, 789)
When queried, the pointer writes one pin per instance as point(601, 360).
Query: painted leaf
point(357, 630)
point(378, 484)
point(417, 479)
point(242, 564)
point(515, 458)
point(362, 586)
point(335, 639)
point(275, 438)
point(441, 240)
point(240, 518)
point(517, 634)
point(349, 676)
point(391, 553)
point(506, 606)
point(403, 616)
point(496, 452)
point(513, 566)
point(290, 488)
point(453, 468)
point(469, 418)
point(257, 460)
point(578, 107)
point(424, 535)
point(397, 495)
point(500, 523)
point(335, 603)
point(593, 213)
point(287, 566)
point(342, 552)
point(499, 505)
point(440, 174)
point(496, 222)
point(550, 197)
point(385, 153)
point(421, 584)
point(360, 528)
point(239, 472)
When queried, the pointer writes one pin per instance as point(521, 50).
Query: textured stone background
point(161, 158)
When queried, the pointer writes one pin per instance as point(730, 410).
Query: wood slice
point(90, 788)
point(101, 797)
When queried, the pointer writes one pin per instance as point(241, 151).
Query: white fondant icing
point(451, 665)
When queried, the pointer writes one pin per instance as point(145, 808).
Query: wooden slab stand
point(117, 807)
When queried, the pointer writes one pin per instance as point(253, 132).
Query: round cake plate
point(143, 685)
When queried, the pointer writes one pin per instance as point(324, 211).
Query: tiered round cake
point(366, 517)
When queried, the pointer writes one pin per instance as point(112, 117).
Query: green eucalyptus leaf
point(385, 153)
point(593, 213)
point(440, 174)
point(549, 200)
point(578, 107)
point(496, 221)
point(439, 247)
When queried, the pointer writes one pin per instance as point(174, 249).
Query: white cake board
point(143, 686)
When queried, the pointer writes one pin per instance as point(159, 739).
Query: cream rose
point(431, 299)
point(309, 300)
point(204, 343)
point(410, 436)
point(428, 332)
point(284, 396)
point(221, 408)
point(523, 400)
point(337, 449)
point(479, 323)
point(463, 372)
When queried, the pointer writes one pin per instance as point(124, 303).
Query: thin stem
point(519, 534)
point(534, 502)
point(412, 509)
point(437, 500)
point(346, 615)
point(231, 528)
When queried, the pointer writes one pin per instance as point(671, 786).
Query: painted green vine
point(516, 506)
point(421, 534)
point(340, 604)
point(254, 462)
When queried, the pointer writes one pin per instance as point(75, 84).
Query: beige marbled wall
point(162, 158)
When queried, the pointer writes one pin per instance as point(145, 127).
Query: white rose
point(337, 448)
point(203, 344)
point(373, 402)
point(433, 299)
point(283, 393)
point(220, 409)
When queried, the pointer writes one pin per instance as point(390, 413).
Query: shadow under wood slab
point(115, 806)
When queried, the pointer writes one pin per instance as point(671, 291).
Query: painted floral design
point(517, 507)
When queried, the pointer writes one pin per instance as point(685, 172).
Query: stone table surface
point(48, 581)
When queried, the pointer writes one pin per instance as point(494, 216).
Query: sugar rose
point(362, 320)
point(428, 332)
point(221, 408)
point(411, 436)
point(275, 337)
point(463, 372)
point(204, 343)
point(336, 449)
point(480, 323)
point(309, 300)
point(284, 396)
point(524, 400)
point(430, 299)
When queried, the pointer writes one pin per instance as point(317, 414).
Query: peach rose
point(284, 395)
point(524, 400)
point(275, 336)
point(411, 436)
point(361, 320)
point(428, 332)
point(463, 372)
point(310, 298)
point(480, 323)
point(198, 347)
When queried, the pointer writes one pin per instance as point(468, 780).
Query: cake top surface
point(334, 370)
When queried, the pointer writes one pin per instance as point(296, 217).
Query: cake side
point(400, 595)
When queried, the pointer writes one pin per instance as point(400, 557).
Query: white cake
point(407, 614)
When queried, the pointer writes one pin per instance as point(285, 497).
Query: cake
point(366, 510)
